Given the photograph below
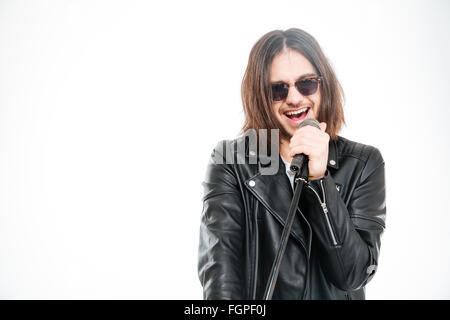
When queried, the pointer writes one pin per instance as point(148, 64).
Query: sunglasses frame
point(317, 78)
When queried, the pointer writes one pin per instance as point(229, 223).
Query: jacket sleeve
point(349, 236)
point(220, 255)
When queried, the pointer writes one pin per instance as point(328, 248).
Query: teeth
point(297, 111)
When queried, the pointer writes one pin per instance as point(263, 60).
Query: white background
point(110, 109)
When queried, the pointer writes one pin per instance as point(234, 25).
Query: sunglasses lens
point(279, 91)
point(307, 87)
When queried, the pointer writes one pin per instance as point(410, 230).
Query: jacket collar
point(332, 155)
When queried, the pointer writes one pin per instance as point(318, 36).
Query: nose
point(294, 96)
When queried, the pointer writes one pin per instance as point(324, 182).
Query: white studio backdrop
point(109, 111)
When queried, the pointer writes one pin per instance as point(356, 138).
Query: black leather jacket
point(333, 249)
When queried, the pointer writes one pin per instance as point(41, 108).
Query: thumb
point(323, 126)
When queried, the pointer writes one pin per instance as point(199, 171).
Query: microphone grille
point(310, 122)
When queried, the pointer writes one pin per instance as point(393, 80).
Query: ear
point(323, 126)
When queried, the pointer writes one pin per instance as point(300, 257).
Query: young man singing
point(334, 244)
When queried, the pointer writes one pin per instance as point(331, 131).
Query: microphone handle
point(297, 162)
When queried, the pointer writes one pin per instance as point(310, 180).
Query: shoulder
point(368, 154)
point(227, 151)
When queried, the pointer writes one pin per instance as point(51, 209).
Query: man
point(333, 248)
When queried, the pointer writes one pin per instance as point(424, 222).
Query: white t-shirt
point(289, 173)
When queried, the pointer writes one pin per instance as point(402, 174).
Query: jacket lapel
point(275, 192)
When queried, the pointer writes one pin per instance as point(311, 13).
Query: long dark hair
point(256, 89)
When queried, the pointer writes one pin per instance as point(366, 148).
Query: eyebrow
point(307, 75)
point(303, 76)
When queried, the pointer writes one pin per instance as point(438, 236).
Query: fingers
point(310, 135)
point(307, 136)
point(311, 131)
point(304, 141)
point(312, 142)
point(309, 140)
point(298, 150)
point(309, 150)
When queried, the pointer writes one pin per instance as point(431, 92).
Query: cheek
point(276, 108)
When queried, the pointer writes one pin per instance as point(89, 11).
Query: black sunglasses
point(306, 87)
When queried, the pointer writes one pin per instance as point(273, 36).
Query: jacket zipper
point(325, 211)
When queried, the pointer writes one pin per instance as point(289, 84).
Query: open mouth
point(297, 115)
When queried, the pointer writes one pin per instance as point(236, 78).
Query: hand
point(313, 143)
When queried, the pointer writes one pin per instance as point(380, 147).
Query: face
point(288, 67)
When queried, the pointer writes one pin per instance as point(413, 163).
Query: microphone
point(299, 159)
